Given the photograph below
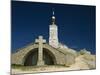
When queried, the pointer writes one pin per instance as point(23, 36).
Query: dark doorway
point(48, 57)
point(32, 57)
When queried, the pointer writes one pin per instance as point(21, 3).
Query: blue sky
point(76, 24)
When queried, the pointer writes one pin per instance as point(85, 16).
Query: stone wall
point(60, 57)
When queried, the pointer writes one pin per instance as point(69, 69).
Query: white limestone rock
point(65, 48)
point(84, 62)
point(84, 51)
point(62, 46)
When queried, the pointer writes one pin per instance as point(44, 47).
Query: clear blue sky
point(76, 24)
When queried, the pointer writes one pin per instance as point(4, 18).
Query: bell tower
point(53, 32)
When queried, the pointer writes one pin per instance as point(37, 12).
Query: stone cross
point(40, 41)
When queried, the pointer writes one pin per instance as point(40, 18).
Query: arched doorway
point(32, 57)
point(48, 57)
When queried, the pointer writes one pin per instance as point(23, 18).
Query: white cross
point(40, 41)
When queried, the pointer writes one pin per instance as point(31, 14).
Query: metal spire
point(53, 17)
point(53, 12)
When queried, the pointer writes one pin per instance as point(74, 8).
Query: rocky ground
point(82, 62)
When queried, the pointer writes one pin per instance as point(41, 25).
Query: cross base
point(40, 63)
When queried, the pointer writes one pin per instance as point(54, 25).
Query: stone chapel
point(40, 53)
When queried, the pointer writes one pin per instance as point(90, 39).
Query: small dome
point(53, 17)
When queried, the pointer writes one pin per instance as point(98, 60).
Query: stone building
point(41, 53)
